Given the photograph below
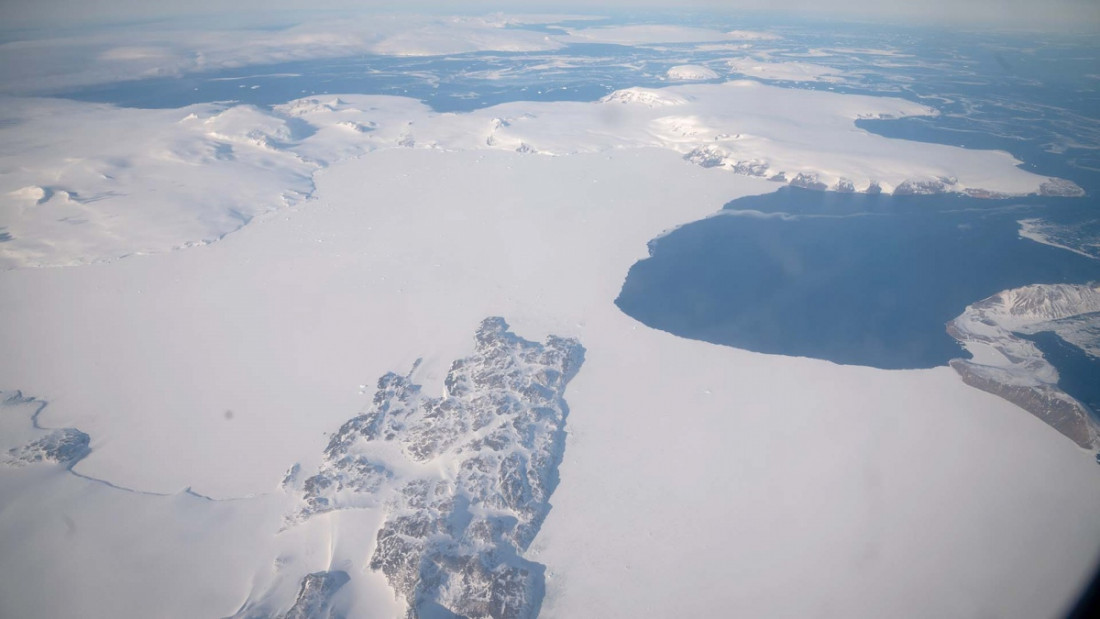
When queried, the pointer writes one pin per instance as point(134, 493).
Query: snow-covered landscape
point(348, 355)
point(104, 196)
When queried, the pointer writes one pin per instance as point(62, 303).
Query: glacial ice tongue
point(465, 478)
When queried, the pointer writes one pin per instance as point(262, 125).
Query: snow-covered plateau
point(318, 415)
point(83, 182)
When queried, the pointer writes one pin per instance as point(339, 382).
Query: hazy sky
point(1046, 14)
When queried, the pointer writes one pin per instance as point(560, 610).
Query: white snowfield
point(690, 73)
point(83, 182)
point(788, 71)
point(696, 480)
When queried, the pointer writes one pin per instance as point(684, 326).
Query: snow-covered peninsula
point(1014, 368)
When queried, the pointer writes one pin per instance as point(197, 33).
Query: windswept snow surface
point(708, 471)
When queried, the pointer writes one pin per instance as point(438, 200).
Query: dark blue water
point(855, 279)
point(1078, 373)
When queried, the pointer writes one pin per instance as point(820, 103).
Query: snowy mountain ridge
point(1021, 307)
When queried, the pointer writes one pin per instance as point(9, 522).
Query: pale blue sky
point(1045, 14)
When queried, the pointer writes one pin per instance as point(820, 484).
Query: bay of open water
point(852, 278)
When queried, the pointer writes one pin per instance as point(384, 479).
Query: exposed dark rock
point(451, 544)
point(751, 168)
point(1045, 402)
point(314, 601)
point(808, 181)
point(707, 156)
point(63, 446)
point(915, 187)
point(315, 596)
point(1060, 187)
point(844, 185)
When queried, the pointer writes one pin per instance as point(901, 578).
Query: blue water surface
point(1078, 373)
point(855, 279)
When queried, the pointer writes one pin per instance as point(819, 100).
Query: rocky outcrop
point(315, 595)
point(1060, 187)
point(25, 442)
point(314, 600)
point(707, 157)
point(62, 446)
point(808, 181)
point(926, 186)
point(465, 478)
point(844, 185)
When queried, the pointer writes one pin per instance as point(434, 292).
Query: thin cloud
point(1049, 15)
